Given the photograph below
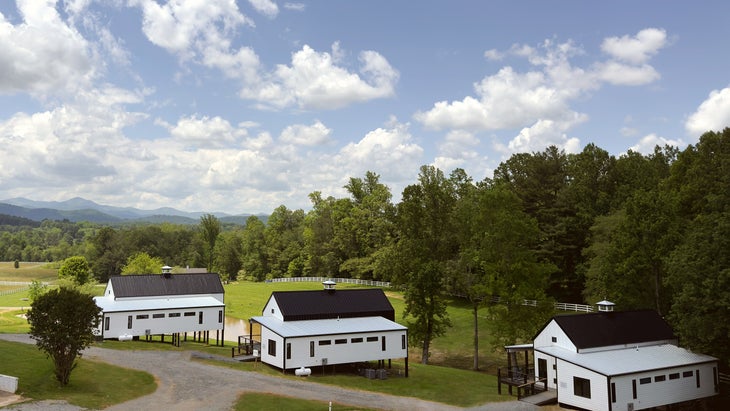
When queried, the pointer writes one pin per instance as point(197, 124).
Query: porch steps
point(542, 398)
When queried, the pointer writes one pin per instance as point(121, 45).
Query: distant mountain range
point(80, 209)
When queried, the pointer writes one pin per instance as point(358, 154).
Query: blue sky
point(242, 106)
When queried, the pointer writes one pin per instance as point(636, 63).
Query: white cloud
point(266, 7)
point(538, 101)
point(546, 133)
point(70, 145)
point(295, 6)
point(617, 73)
point(42, 54)
point(637, 49)
point(314, 135)
point(315, 81)
point(647, 143)
point(493, 54)
point(712, 115)
point(459, 149)
point(387, 151)
point(206, 132)
point(187, 28)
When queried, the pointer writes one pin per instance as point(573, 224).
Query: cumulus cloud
point(538, 101)
point(314, 135)
point(712, 115)
point(206, 132)
point(295, 6)
point(266, 7)
point(186, 28)
point(315, 81)
point(43, 53)
point(69, 145)
point(636, 49)
point(647, 143)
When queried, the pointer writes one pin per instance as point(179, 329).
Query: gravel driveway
point(185, 385)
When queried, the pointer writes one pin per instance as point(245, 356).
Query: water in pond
point(235, 327)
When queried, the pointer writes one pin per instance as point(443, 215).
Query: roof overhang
point(109, 305)
point(629, 360)
point(304, 328)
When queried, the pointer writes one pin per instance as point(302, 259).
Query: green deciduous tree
point(143, 263)
point(253, 253)
point(421, 256)
point(210, 229)
point(61, 322)
point(75, 269)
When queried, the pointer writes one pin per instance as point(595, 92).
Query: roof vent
point(329, 286)
point(166, 271)
point(605, 306)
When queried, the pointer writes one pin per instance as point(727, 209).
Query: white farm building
point(145, 305)
point(326, 327)
point(627, 360)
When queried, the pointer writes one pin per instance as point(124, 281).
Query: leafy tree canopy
point(76, 269)
point(62, 323)
point(143, 263)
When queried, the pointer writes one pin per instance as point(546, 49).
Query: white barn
point(326, 327)
point(628, 360)
point(144, 305)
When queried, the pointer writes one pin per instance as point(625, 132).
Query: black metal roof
point(614, 328)
point(324, 304)
point(149, 285)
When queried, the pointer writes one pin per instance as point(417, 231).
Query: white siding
point(551, 371)
point(669, 391)
point(277, 360)
point(333, 353)
point(599, 387)
point(553, 330)
point(119, 322)
point(272, 309)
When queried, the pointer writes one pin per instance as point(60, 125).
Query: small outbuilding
point(160, 304)
point(327, 327)
point(625, 360)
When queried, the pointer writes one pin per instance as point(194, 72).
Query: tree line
point(644, 231)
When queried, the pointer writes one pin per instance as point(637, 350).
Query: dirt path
point(186, 385)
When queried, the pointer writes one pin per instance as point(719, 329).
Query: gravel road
point(185, 385)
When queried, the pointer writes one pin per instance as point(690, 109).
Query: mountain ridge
point(80, 209)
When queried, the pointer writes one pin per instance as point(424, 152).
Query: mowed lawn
point(93, 385)
point(447, 379)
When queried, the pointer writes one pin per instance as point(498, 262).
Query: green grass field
point(447, 379)
point(93, 384)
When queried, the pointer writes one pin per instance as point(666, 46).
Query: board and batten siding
point(312, 351)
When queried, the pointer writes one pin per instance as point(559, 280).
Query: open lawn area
point(448, 379)
point(93, 384)
point(27, 271)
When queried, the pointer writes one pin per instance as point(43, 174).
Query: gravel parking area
point(186, 385)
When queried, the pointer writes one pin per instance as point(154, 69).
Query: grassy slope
point(93, 384)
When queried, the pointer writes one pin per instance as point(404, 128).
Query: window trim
point(580, 386)
point(272, 348)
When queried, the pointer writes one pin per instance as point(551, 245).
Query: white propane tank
point(302, 372)
point(125, 337)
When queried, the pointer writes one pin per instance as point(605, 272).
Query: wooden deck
point(542, 398)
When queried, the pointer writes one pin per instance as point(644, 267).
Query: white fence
point(22, 287)
point(533, 303)
point(357, 281)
